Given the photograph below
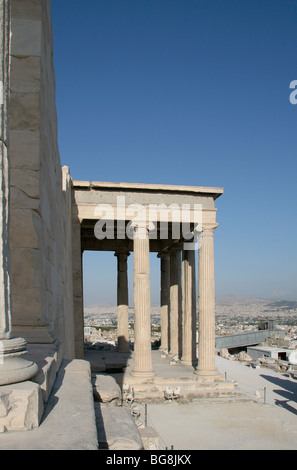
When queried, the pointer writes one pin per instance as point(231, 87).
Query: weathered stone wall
point(40, 229)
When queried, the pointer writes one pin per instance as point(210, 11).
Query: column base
point(13, 367)
point(142, 373)
point(17, 369)
point(172, 354)
point(186, 362)
point(208, 375)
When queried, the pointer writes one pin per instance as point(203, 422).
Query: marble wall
point(40, 227)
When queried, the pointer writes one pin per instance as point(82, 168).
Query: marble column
point(142, 304)
point(206, 368)
point(175, 302)
point(122, 301)
point(189, 308)
point(194, 312)
point(13, 367)
point(164, 299)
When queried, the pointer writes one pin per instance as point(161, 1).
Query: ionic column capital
point(208, 229)
point(122, 254)
point(163, 254)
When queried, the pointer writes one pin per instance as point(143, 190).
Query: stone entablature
point(158, 204)
point(87, 196)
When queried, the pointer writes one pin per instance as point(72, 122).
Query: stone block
point(31, 331)
point(106, 390)
point(116, 428)
point(26, 269)
point(21, 407)
point(24, 112)
point(69, 419)
point(25, 227)
point(28, 9)
point(150, 439)
point(24, 148)
point(26, 306)
point(26, 37)
point(20, 200)
point(26, 180)
point(25, 74)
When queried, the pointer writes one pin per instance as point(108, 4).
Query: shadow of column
point(115, 363)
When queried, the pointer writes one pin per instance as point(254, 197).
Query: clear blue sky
point(188, 92)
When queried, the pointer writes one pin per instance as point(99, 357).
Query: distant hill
point(99, 308)
point(240, 299)
point(221, 300)
point(283, 304)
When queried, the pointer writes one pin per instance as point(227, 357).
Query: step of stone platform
point(182, 389)
point(183, 396)
point(116, 428)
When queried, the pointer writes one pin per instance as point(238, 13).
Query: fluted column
point(142, 304)
point(122, 301)
point(13, 367)
point(165, 298)
point(194, 312)
point(189, 308)
point(206, 306)
point(175, 303)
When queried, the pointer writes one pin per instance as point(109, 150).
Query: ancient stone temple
point(47, 222)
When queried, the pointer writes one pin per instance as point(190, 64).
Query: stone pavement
point(228, 425)
point(234, 425)
point(280, 388)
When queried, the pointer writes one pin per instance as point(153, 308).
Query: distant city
point(233, 314)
